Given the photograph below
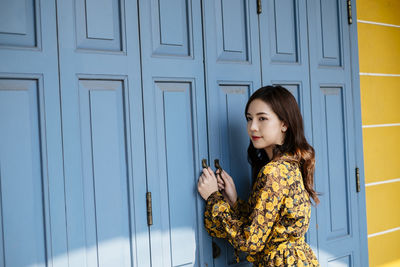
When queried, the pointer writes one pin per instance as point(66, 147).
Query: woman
point(270, 227)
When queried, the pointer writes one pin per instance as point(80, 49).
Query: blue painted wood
point(334, 138)
point(170, 25)
point(284, 54)
point(100, 21)
point(359, 155)
point(330, 42)
point(104, 155)
point(233, 73)
point(18, 30)
point(103, 137)
point(179, 148)
point(176, 130)
point(31, 160)
point(104, 25)
point(284, 30)
point(22, 216)
point(232, 31)
point(105, 181)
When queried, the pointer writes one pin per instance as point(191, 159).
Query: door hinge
point(349, 15)
point(358, 188)
point(259, 7)
point(149, 209)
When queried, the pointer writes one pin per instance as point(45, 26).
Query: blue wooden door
point(305, 46)
point(285, 61)
point(332, 93)
point(102, 124)
point(233, 73)
point(32, 230)
point(140, 111)
point(312, 61)
point(175, 129)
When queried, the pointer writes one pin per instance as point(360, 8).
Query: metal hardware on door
point(218, 167)
point(215, 250)
point(149, 209)
point(358, 188)
point(216, 164)
point(204, 163)
point(349, 15)
point(259, 7)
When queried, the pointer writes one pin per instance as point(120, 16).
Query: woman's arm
point(250, 235)
point(241, 209)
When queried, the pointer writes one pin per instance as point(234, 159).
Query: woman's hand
point(207, 183)
point(227, 186)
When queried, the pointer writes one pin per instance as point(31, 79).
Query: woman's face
point(263, 126)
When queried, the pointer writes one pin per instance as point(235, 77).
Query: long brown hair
point(295, 144)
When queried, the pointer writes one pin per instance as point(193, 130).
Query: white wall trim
point(379, 74)
point(381, 125)
point(383, 182)
point(384, 232)
point(378, 23)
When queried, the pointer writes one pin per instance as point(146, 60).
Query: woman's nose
point(253, 125)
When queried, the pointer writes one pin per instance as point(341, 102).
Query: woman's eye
point(248, 119)
point(262, 118)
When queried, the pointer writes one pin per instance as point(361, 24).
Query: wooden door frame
point(359, 155)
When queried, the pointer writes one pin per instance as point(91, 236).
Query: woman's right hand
point(227, 186)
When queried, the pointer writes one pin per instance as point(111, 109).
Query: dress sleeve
point(241, 209)
point(250, 235)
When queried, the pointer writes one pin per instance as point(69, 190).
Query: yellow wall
point(379, 55)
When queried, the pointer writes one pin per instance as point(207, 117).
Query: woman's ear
point(283, 127)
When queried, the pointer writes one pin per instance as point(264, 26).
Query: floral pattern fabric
point(270, 227)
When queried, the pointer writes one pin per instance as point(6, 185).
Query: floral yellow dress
point(271, 226)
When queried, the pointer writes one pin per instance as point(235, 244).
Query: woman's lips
point(255, 138)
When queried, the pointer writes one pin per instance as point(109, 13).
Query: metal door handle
point(217, 166)
point(204, 163)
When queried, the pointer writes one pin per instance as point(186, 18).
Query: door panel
point(331, 90)
point(103, 133)
point(328, 33)
point(284, 61)
point(103, 29)
point(21, 188)
point(171, 26)
point(233, 143)
point(232, 74)
point(284, 52)
point(175, 127)
point(284, 30)
point(105, 212)
point(31, 177)
point(23, 32)
point(176, 214)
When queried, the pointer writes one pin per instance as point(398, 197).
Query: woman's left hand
point(207, 183)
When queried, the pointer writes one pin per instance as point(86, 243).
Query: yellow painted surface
point(379, 48)
point(383, 207)
point(384, 250)
point(381, 154)
point(379, 52)
point(383, 11)
point(380, 98)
